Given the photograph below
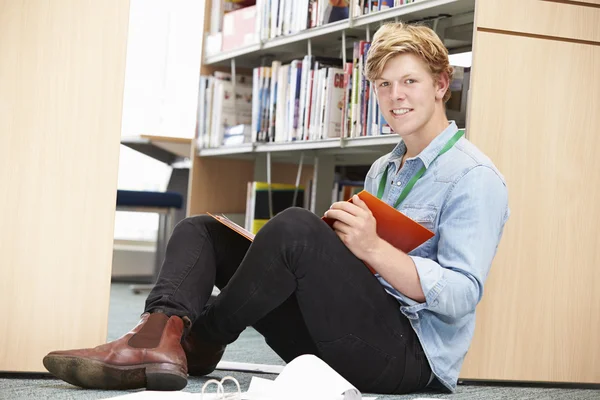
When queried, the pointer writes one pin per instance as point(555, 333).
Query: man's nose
point(397, 92)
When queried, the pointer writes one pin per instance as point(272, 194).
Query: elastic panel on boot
point(149, 336)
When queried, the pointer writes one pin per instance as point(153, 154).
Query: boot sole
point(92, 374)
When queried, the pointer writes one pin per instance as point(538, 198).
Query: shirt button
point(399, 183)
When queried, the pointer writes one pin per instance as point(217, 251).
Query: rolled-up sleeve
point(470, 226)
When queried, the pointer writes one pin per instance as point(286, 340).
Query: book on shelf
point(264, 201)
point(345, 189)
point(237, 135)
point(221, 108)
point(333, 11)
point(231, 108)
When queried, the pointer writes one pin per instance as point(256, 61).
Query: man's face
point(407, 94)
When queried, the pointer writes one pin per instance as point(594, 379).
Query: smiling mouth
point(401, 111)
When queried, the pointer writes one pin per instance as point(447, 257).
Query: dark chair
point(163, 203)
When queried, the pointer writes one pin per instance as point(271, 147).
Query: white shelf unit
point(352, 148)
point(451, 19)
point(284, 46)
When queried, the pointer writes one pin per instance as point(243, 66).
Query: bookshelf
point(539, 314)
point(325, 40)
point(354, 26)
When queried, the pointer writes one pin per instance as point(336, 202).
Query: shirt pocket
point(425, 215)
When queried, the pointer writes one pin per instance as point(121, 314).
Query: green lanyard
point(418, 175)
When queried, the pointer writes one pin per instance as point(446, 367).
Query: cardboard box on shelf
point(239, 29)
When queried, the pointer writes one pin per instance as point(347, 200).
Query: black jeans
point(301, 288)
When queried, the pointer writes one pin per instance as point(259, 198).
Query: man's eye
point(410, 81)
point(384, 84)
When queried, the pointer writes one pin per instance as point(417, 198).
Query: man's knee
point(294, 221)
point(194, 223)
point(296, 216)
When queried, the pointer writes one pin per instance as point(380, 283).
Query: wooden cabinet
point(61, 91)
point(534, 110)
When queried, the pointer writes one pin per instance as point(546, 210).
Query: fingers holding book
point(355, 225)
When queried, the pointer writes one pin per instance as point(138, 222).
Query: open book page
point(305, 377)
point(232, 225)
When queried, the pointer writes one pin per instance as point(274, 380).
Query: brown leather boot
point(149, 356)
point(202, 356)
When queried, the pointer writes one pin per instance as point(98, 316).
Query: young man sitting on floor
point(305, 287)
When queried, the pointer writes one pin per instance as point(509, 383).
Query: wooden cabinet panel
point(534, 111)
point(61, 93)
point(220, 185)
point(555, 19)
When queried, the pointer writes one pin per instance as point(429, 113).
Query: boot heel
point(165, 377)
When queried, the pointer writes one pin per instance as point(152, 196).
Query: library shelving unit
point(533, 101)
point(356, 26)
point(452, 18)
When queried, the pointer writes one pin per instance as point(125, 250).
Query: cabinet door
point(562, 19)
point(62, 70)
point(534, 109)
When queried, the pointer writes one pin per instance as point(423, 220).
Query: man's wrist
point(376, 251)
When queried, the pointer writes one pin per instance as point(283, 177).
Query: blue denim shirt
point(463, 199)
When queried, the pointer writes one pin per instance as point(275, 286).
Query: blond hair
point(397, 38)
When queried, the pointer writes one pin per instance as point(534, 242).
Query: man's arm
point(397, 268)
point(471, 223)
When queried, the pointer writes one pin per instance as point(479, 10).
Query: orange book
point(392, 226)
point(232, 225)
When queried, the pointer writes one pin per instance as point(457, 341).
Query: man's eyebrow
point(382, 78)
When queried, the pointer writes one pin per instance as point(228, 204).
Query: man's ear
point(442, 85)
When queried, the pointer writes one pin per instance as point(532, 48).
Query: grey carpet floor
point(125, 309)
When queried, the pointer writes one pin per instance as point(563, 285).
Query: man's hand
point(355, 226)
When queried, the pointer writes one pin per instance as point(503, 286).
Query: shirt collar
point(430, 152)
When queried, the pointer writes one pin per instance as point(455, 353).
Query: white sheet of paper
point(305, 377)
